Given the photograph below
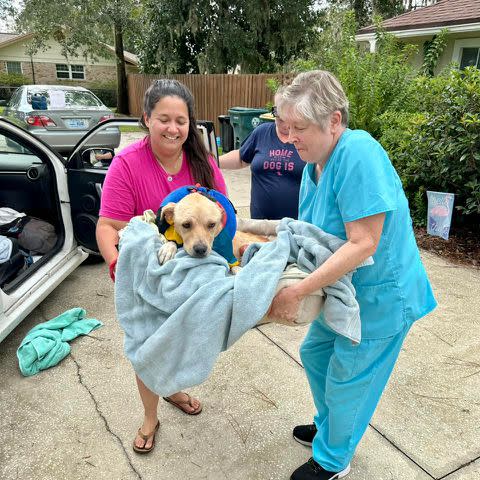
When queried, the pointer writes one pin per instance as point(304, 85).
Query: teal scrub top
point(357, 181)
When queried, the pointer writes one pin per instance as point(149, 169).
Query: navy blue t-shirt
point(276, 174)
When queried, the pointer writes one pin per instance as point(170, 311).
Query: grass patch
point(2, 109)
point(128, 128)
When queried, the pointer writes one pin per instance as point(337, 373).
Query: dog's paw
point(166, 252)
point(235, 269)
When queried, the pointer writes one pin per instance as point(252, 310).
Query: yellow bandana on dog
point(172, 235)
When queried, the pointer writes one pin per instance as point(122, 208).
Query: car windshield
point(57, 99)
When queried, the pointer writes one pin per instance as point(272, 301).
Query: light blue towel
point(178, 317)
point(310, 246)
point(45, 345)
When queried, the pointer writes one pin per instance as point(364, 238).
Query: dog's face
point(197, 220)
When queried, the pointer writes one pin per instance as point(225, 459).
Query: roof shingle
point(7, 36)
point(442, 13)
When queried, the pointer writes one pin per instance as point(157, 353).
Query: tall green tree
point(215, 36)
point(387, 8)
point(372, 81)
point(365, 10)
point(82, 27)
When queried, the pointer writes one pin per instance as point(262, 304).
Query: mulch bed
point(462, 248)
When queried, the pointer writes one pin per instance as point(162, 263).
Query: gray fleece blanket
point(178, 317)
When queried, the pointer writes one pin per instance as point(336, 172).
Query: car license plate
point(77, 122)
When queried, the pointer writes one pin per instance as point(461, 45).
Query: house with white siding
point(460, 17)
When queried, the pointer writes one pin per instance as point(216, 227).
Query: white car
point(38, 182)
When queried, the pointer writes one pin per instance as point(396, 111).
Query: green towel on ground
point(46, 344)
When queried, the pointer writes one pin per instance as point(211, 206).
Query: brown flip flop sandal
point(187, 402)
point(146, 437)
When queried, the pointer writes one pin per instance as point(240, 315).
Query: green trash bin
point(243, 121)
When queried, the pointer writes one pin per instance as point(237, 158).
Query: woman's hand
point(285, 305)
point(107, 239)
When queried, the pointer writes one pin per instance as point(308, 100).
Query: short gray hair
point(313, 96)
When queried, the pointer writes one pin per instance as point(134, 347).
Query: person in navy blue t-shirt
point(276, 170)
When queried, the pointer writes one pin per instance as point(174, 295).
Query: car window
point(98, 150)
point(14, 100)
point(13, 155)
point(50, 99)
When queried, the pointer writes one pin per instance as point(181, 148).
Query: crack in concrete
point(107, 427)
point(277, 345)
point(459, 468)
point(396, 447)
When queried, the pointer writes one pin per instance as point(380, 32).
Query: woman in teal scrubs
point(349, 189)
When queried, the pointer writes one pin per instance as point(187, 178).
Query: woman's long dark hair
point(197, 155)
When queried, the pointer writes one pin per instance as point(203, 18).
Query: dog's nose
point(200, 250)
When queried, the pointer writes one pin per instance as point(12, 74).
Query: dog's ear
point(167, 212)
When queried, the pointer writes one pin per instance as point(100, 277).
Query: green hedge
point(430, 126)
point(13, 79)
point(107, 96)
point(434, 141)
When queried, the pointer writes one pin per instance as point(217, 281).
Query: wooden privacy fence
point(214, 94)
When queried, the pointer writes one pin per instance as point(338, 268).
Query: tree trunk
point(122, 88)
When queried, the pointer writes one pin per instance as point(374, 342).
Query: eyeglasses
point(274, 111)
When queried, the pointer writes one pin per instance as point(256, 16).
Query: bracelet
point(111, 269)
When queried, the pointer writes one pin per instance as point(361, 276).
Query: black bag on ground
point(10, 268)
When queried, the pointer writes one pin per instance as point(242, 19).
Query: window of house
point(63, 71)
point(466, 52)
point(71, 72)
point(470, 57)
point(14, 67)
point(78, 72)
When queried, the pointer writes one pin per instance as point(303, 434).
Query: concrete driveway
point(78, 419)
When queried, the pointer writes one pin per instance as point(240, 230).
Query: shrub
point(372, 80)
point(432, 51)
point(107, 96)
point(430, 126)
point(106, 91)
point(13, 79)
point(437, 147)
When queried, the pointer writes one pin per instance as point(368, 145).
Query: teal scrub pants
point(347, 382)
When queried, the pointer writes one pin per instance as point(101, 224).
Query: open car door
point(87, 167)
point(33, 185)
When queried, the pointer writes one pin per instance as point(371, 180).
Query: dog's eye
point(211, 225)
point(187, 225)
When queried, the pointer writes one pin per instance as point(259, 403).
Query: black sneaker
point(313, 471)
point(304, 434)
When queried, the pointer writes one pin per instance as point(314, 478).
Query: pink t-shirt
point(135, 182)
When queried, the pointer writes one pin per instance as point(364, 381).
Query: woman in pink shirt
point(140, 176)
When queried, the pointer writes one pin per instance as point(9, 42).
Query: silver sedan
point(61, 115)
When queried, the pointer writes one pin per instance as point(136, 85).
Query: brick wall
point(44, 72)
point(47, 73)
point(26, 68)
point(100, 73)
